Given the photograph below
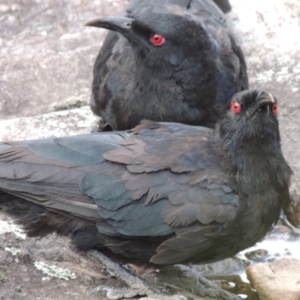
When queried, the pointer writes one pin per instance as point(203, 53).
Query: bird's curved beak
point(118, 24)
point(264, 99)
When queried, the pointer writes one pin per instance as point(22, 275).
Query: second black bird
point(170, 61)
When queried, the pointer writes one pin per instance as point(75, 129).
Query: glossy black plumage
point(224, 5)
point(165, 192)
point(186, 79)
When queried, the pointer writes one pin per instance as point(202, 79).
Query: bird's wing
point(100, 68)
point(160, 5)
point(70, 176)
point(48, 171)
point(156, 182)
point(224, 5)
point(170, 164)
point(229, 59)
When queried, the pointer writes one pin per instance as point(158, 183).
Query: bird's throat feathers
point(257, 160)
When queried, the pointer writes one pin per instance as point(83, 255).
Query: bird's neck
point(261, 176)
point(258, 161)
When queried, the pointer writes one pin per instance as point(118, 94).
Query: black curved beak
point(118, 24)
point(265, 98)
point(265, 101)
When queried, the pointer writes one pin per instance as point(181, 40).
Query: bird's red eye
point(235, 107)
point(157, 39)
point(275, 108)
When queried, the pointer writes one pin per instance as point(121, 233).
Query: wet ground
point(46, 56)
point(282, 241)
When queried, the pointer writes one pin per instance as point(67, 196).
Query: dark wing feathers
point(48, 171)
point(79, 150)
point(193, 6)
point(224, 5)
point(185, 247)
point(136, 191)
point(165, 148)
point(100, 67)
point(127, 217)
point(54, 151)
point(195, 194)
point(200, 204)
point(108, 191)
point(139, 220)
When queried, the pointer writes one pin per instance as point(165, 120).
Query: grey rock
point(60, 123)
point(46, 52)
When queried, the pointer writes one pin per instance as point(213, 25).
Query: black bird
point(224, 5)
point(166, 193)
point(166, 61)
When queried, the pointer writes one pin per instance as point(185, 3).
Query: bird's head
point(161, 39)
point(249, 119)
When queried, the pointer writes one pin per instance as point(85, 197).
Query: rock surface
point(46, 52)
point(60, 123)
point(46, 60)
point(276, 281)
point(43, 269)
